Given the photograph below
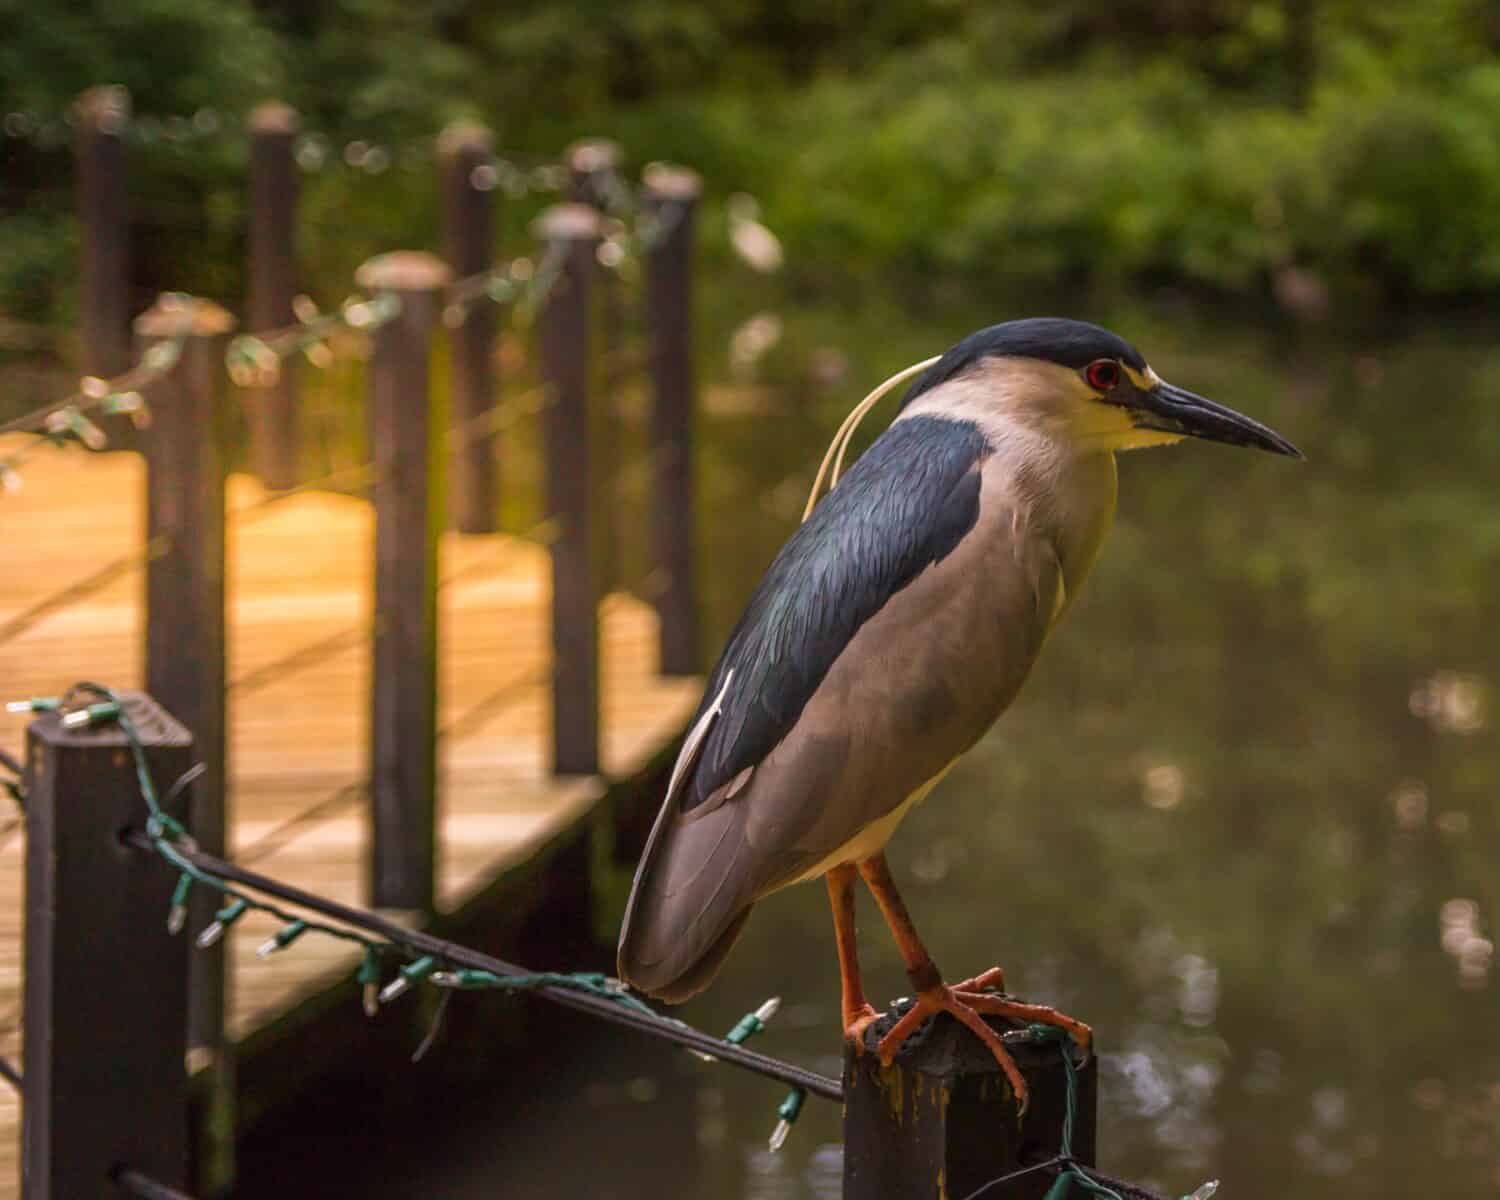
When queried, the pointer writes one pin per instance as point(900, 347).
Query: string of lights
point(394, 959)
point(520, 282)
point(254, 360)
point(207, 128)
point(1070, 1174)
point(69, 419)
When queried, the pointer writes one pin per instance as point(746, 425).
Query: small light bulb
point(281, 939)
point(787, 1114)
point(413, 972)
point(223, 919)
point(369, 980)
point(177, 914)
point(34, 705)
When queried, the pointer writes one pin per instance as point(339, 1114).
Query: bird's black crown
point(1068, 343)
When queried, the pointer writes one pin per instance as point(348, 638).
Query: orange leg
point(966, 1001)
point(857, 1013)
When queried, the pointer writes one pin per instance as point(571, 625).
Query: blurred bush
point(1215, 144)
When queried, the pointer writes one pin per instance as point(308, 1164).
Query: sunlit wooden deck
point(299, 580)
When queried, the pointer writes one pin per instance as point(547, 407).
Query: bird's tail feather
point(693, 893)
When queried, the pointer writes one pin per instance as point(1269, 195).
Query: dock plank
point(299, 661)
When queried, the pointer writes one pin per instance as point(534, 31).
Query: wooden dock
point(299, 617)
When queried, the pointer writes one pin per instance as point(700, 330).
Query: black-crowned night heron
point(890, 632)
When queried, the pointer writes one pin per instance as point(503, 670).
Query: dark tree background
point(1212, 143)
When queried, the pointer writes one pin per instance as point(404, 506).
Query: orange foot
point(965, 1002)
point(855, 1024)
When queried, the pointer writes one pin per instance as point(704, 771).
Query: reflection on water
point(1244, 817)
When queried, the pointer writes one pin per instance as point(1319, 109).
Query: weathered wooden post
point(942, 1121)
point(271, 410)
point(405, 433)
point(105, 983)
point(464, 150)
point(589, 162)
point(572, 493)
point(101, 119)
point(594, 170)
point(671, 198)
point(185, 640)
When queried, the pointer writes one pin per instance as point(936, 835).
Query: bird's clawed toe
point(969, 1003)
point(1037, 1014)
point(992, 980)
point(855, 1024)
point(962, 1008)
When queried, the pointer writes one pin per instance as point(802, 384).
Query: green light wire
point(1071, 1173)
point(164, 830)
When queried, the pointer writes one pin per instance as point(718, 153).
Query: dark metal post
point(593, 166)
point(185, 641)
point(572, 492)
point(271, 411)
point(671, 198)
point(941, 1120)
point(102, 116)
point(464, 150)
point(105, 983)
point(405, 432)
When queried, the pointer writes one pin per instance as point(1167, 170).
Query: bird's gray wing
point(905, 504)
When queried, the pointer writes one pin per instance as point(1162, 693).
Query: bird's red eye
point(1102, 374)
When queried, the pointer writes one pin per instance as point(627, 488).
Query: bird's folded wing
point(906, 504)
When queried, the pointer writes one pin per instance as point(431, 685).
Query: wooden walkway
point(299, 586)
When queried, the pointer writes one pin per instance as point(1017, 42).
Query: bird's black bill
point(1177, 410)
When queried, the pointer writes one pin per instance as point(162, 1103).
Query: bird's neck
point(1065, 484)
point(1079, 506)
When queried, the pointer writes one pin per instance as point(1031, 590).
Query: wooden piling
point(572, 496)
point(405, 432)
point(942, 1121)
point(101, 119)
point(271, 411)
point(105, 983)
point(670, 199)
point(592, 163)
point(464, 152)
point(185, 636)
point(589, 162)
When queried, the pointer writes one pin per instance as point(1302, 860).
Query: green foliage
point(175, 56)
point(1005, 144)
